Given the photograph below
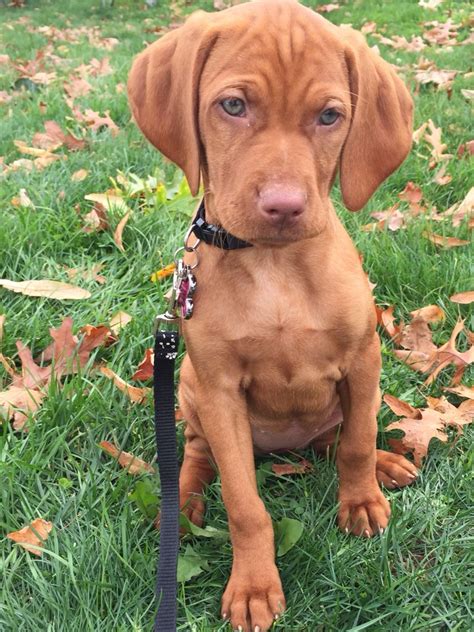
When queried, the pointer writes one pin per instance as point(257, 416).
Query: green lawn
point(98, 568)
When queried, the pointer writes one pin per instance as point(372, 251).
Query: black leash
point(166, 350)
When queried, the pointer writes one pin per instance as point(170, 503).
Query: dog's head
point(267, 101)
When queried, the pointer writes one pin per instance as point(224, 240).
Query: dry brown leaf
point(434, 139)
point(109, 200)
point(119, 321)
point(18, 403)
point(386, 320)
point(462, 390)
point(88, 275)
point(23, 200)
point(401, 408)
point(444, 241)
point(466, 149)
point(327, 8)
point(135, 394)
point(96, 220)
point(119, 230)
point(463, 297)
point(37, 152)
point(418, 434)
point(145, 368)
point(32, 537)
point(46, 288)
point(77, 87)
point(393, 219)
point(441, 177)
point(461, 210)
point(429, 313)
point(131, 463)
point(303, 467)
point(53, 137)
point(80, 175)
point(398, 42)
point(442, 33)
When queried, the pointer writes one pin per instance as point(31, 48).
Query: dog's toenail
point(394, 482)
point(224, 616)
point(276, 617)
point(257, 628)
point(366, 533)
point(346, 530)
point(240, 629)
point(381, 531)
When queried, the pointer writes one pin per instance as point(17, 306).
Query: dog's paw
point(253, 598)
point(364, 515)
point(394, 470)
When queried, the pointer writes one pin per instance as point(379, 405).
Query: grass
point(98, 568)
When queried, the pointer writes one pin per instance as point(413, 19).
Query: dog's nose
point(281, 204)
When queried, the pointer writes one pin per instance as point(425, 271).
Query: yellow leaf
point(163, 272)
point(118, 321)
point(32, 536)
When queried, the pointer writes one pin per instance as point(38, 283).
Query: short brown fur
point(282, 345)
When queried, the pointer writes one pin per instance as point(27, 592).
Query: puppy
point(266, 103)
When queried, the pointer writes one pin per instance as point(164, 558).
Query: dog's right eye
point(233, 106)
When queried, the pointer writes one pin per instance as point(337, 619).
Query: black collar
point(214, 235)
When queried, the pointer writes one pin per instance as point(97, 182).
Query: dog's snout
point(281, 204)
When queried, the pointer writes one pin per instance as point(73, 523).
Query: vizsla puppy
point(267, 102)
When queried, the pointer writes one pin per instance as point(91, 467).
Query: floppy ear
point(163, 91)
point(380, 135)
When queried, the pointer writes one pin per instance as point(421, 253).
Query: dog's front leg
point(363, 509)
point(253, 596)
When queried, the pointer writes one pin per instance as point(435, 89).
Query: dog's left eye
point(329, 116)
point(233, 106)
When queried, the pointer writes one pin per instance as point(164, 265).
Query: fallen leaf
point(462, 391)
point(37, 151)
point(400, 408)
point(18, 403)
point(80, 175)
point(91, 274)
point(281, 469)
point(109, 201)
point(386, 320)
point(463, 297)
point(442, 33)
point(466, 149)
point(131, 463)
point(441, 177)
point(46, 288)
point(23, 200)
point(145, 368)
point(119, 321)
point(135, 394)
point(399, 42)
point(96, 220)
point(327, 8)
point(429, 313)
point(53, 137)
point(32, 537)
point(77, 87)
point(163, 273)
point(468, 94)
point(95, 68)
point(418, 433)
point(461, 210)
point(434, 139)
point(119, 230)
point(444, 241)
point(419, 133)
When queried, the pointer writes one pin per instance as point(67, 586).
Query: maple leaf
point(131, 463)
point(434, 138)
point(401, 408)
point(145, 368)
point(442, 33)
point(386, 320)
point(393, 219)
point(77, 87)
point(95, 68)
point(281, 469)
point(32, 537)
point(53, 137)
point(135, 394)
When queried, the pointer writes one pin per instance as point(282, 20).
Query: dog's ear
point(163, 90)
point(380, 134)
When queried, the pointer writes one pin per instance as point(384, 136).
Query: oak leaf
point(32, 537)
point(145, 368)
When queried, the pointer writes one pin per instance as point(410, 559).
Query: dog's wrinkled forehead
point(273, 41)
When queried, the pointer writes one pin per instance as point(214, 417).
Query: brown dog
point(267, 101)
